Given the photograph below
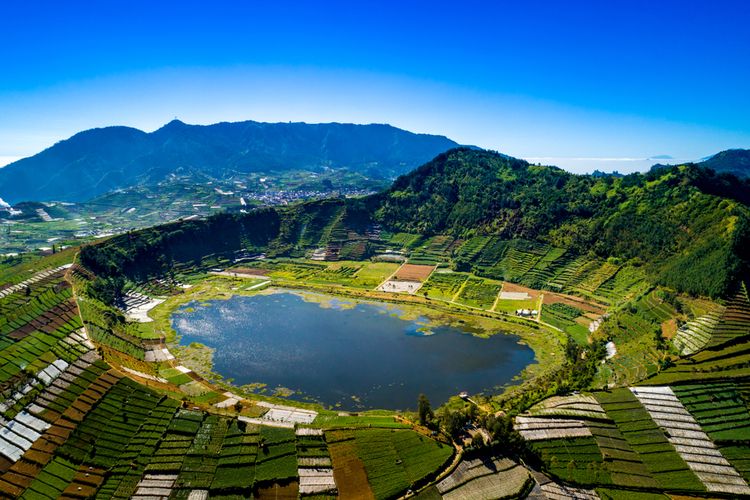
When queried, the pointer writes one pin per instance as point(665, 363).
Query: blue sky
point(583, 84)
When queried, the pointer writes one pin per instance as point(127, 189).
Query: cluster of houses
point(527, 313)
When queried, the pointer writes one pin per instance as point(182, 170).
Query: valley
point(636, 384)
point(374, 251)
point(33, 226)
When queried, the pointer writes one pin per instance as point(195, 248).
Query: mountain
point(669, 222)
point(731, 161)
point(100, 160)
point(679, 221)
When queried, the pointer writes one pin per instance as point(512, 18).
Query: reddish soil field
point(669, 329)
point(413, 272)
point(249, 271)
point(85, 483)
point(512, 287)
point(10, 489)
point(349, 472)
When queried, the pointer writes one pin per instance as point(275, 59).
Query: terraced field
point(732, 326)
point(725, 356)
point(479, 293)
point(393, 460)
point(444, 285)
point(722, 413)
point(89, 409)
point(434, 251)
point(689, 440)
point(645, 438)
point(74, 426)
point(564, 317)
point(485, 478)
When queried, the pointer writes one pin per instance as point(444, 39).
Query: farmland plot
point(696, 334)
point(443, 285)
point(722, 413)
point(735, 321)
point(314, 463)
point(534, 428)
point(393, 459)
point(693, 445)
point(348, 469)
point(484, 478)
point(581, 405)
point(479, 293)
point(407, 279)
point(648, 440)
point(576, 460)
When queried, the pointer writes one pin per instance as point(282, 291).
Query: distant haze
point(583, 165)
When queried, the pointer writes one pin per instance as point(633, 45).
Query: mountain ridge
point(668, 221)
point(109, 158)
point(734, 161)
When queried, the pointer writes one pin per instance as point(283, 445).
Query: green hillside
point(731, 161)
point(663, 221)
point(631, 292)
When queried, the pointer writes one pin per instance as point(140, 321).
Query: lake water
point(360, 357)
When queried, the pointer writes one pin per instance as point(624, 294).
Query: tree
point(454, 421)
point(425, 410)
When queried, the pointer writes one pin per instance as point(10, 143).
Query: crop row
point(647, 439)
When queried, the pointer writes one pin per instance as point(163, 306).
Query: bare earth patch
point(413, 272)
point(513, 288)
point(669, 329)
point(349, 471)
point(396, 286)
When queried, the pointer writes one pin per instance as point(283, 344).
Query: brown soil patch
point(278, 491)
point(250, 271)
point(349, 471)
point(20, 480)
point(22, 332)
point(413, 272)
point(669, 329)
point(513, 288)
point(558, 298)
point(11, 489)
point(85, 483)
point(38, 457)
point(26, 468)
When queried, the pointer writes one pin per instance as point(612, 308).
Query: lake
point(355, 355)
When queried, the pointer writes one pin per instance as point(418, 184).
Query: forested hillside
point(665, 221)
point(731, 161)
point(105, 159)
point(673, 219)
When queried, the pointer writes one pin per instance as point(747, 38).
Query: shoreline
point(544, 343)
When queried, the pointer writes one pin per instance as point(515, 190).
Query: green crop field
point(564, 316)
point(396, 459)
point(576, 460)
point(443, 285)
point(647, 439)
point(480, 293)
point(92, 404)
